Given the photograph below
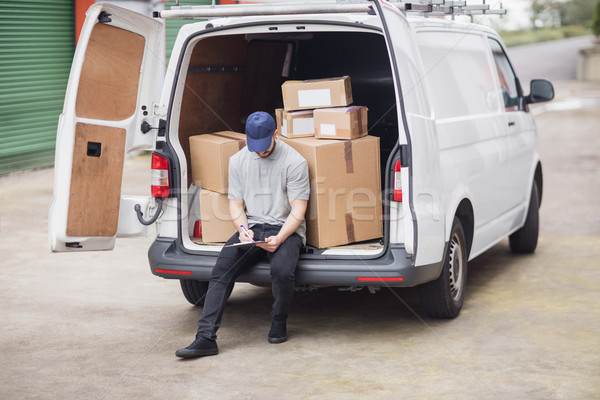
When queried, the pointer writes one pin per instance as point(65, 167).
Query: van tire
point(194, 291)
point(443, 297)
point(524, 241)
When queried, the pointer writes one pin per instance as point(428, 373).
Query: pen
point(246, 231)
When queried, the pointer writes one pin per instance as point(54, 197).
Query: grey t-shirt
point(267, 184)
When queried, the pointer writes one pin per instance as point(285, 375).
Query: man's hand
point(292, 222)
point(245, 238)
point(273, 243)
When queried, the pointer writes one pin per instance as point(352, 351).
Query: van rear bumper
point(394, 268)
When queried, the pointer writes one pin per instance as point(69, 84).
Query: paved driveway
point(99, 326)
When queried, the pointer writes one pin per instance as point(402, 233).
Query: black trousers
point(233, 261)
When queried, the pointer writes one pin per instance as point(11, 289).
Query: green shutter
point(173, 25)
point(36, 50)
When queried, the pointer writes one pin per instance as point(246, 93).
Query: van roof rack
point(448, 7)
point(421, 7)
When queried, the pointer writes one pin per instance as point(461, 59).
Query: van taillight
point(160, 176)
point(397, 181)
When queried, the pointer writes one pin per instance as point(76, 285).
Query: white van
point(459, 168)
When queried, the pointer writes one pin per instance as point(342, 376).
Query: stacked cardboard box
point(210, 155)
point(324, 102)
point(216, 222)
point(293, 124)
point(345, 198)
point(341, 122)
point(316, 93)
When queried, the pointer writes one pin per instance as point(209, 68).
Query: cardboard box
point(316, 93)
point(210, 155)
point(341, 122)
point(345, 190)
point(293, 124)
point(214, 211)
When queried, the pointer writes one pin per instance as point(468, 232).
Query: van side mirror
point(540, 90)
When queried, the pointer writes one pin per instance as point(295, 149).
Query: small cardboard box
point(345, 190)
point(216, 221)
point(341, 122)
point(316, 93)
point(294, 124)
point(210, 155)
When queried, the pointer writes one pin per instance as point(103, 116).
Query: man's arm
point(238, 216)
point(292, 222)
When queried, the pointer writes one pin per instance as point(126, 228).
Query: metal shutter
point(36, 50)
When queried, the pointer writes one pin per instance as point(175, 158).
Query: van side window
point(457, 73)
point(506, 76)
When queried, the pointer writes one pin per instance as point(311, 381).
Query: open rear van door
point(422, 220)
point(115, 79)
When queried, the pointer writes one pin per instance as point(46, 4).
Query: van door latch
point(146, 127)
point(162, 126)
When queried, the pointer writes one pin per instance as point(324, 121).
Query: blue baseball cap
point(259, 131)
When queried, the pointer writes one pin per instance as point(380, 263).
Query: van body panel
point(530, 181)
point(486, 236)
point(427, 198)
point(479, 161)
point(113, 87)
point(520, 126)
point(426, 243)
point(521, 144)
point(476, 151)
point(394, 269)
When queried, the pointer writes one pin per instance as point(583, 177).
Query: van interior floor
point(366, 245)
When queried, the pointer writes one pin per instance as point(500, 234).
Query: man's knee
point(226, 262)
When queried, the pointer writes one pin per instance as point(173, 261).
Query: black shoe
point(278, 333)
point(199, 348)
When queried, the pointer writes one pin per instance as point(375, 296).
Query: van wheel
point(524, 241)
point(443, 298)
point(194, 291)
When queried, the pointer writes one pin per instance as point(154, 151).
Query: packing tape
point(241, 142)
point(350, 228)
point(348, 156)
point(359, 118)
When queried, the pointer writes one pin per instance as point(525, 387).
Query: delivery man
point(268, 195)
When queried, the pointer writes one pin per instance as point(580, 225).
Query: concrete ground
point(99, 326)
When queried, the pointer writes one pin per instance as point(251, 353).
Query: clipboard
point(245, 244)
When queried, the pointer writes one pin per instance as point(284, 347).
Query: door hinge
point(159, 110)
